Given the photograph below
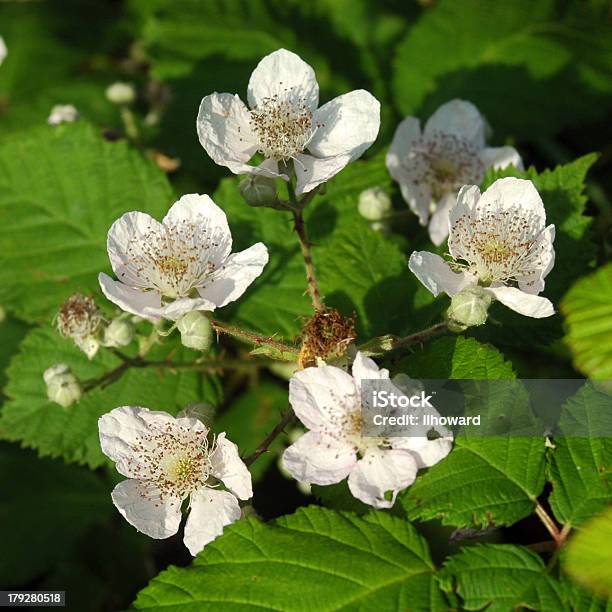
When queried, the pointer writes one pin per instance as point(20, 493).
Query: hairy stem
point(265, 444)
point(422, 336)
point(313, 287)
point(548, 522)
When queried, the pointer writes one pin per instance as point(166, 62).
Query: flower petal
point(143, 506)
point(535, 282)
point(318, 394)
point(436, 274)
point(235, 275)
point(406, 133)
point(319, 459)
point(524, 303)
point(179, 307)
point(511, 192)
point(124, 427)
point(125, 234)
point(348, 124)
point(425, 451)
point(285, 75)
point(134, 301)
point(381, 471)
point(228, 467)
point(224, 131)
point(439, 222)
point(210, 511)
point(365, 368)
point(501, 157)
point(461, 118)
point(312, 171)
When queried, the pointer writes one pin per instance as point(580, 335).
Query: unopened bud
point(63, 388)
point(259, 190)
point(118, 333)
point(3, 50)
point(469, 308)
point(121, 93)
point(374, 204)
point(63, 113)
point(196, 331)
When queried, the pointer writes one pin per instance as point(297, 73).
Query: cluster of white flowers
point(63, 113)
point(183, 267)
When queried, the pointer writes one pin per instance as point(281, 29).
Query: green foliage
point(315, 558)
point(516, 61)
point(587, 307)
point(589, 555)
point(501, 578)
point(72, 433)
point(60, 190)
point(581, 467)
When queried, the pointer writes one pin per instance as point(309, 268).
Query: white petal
point(365, 368)
point(406, 133)
point(379, 472)
point(349, 124)
point(319, 459)
point(501, 157)
point(524, 303)
point(436, 274)
point(134, 301)
point(234, 276)
point(439, 222)
point(286, 75)
point(460, 118)
point(224, 131)
point(312, 171)
point(510, 192)
point(120, 430)
point(210, 511)
point(179, 307)
point(269, 168)
point(230, 469)
point(143, 506)
point(535, 282)
point(89, 345)
point(130, 229)
point(426, 452)
point(317, 393)
point(467, 200)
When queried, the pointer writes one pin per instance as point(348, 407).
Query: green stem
point(265, 444)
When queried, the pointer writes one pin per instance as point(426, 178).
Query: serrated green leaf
point(60, 190)
point(357, 268)
point(581, 467)
point(36, 538)
point(515, 60)
point(588, 557)
point(587, 307)
point(582, 600)
point(501, 578)
point(72, 433)
point(315, 559)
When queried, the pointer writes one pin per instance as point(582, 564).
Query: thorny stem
point(420, 337)
point(267, 441)
point(252, 338)
point(559, 535)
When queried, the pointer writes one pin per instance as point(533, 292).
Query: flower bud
point(3, 50)
point(119, 333)
point(258, 190)
point(196, 331)
point(63, 388)
point(374, 204)
point(121, 93)
point(63, 113)
point(469, 308)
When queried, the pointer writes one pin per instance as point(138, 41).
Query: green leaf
point(501, 578)
point(60, 190)
point(457, 357)
point(588, 557)
point(515, 60)
point(358, 269)
point(72, 433)
point(582, 600)
point(251, 417)
point(313, 559)
point(45, 507)
point(580, 467)
point(12, 332)
point(587, 307)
